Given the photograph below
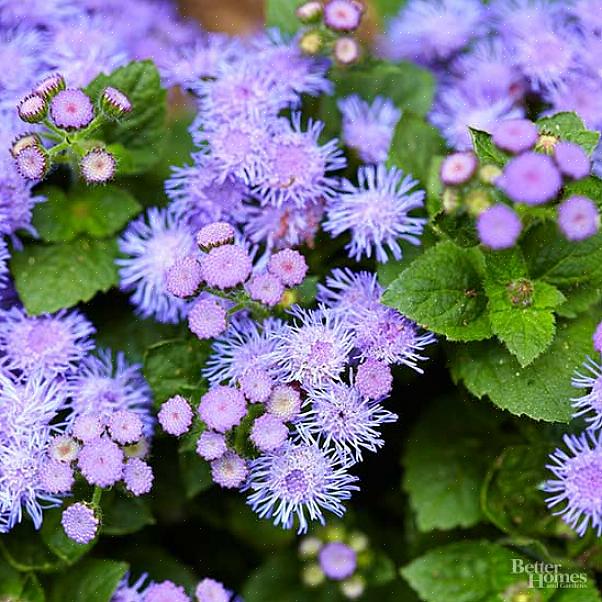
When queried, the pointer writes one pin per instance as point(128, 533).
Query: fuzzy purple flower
point(209, 590)
point(578, 482)
point(56, 476)
point(346, 50)
point(211, 445)
point(166, 591)
point(572, 160)
point(289, 266)
point(268, 432)
point(32, 162)
point(80, 523)
point(499, 227)
point(256, 384)
point(175, 416)
point(590, 404)
point(373, 379)
point(337, 560)
point(125, 427)
point(343, 15)
point(229, 471)
point(376, 212)
point(265, 288)
point(226, 266)
point(458, 168)
point(515, 135)
point(222, 408)
point(215, 235)
point(368, 128)
point(71, 109)
point(101, 462)
point(63, 448)
point(345, 290)
point(298, 481)
point(184, 277)
point(151, 244)
point(87, 427)
point(578, 218)
point(207, 318)
point(284, 403)
point(138, 476)
point(98, 166)
point(530, 178)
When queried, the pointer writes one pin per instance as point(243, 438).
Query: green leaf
point(99, 212)
point(589, 593)
point(281, 14)
point(174, 367)
point(410, 87)
point(32, 590)
point(520, 310)
point(123, 514)
point(434, 188)
point(24, 550)
point(468, 571)
point(541, 390)
point(414, 144)
point(19, 587)
point(50, 277)
point(91, 580)
point(442, 290)
point(195, 472)
point(568, 126)
point(55, 538)
point(143, 131)
point(590, 187)
point(511, 497)
point(388, 8)
point(485, 150)
point(446, 460)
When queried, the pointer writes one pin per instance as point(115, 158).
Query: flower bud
point(24, 141)
point(115, 103)
point(97, 166)
point(32, 162)
point(346, 51)
point(343, 15)
point(310, 12)
point(32, 108)
point(50, 86)
point(311, 42)
point(353, 587)
point(312, 575)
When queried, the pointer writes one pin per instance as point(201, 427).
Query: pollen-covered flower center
point(297, 484)
point(321, 352)
point(45, 336)
point(294, 162)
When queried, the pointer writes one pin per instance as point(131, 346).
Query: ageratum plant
point(241, 277)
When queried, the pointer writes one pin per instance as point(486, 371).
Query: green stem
point(53, 128)
point(96, 496)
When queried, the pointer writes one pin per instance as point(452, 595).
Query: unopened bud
point(310, 12)
point(32, 108)
point(346, 51)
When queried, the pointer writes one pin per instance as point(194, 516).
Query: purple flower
point(125, 427)
point(382, 333)
point(105, 384)
point(80, 523)
point(297, 166)
point(207, 318)
point(265, 288)
point(226, 266)
point(578, 482)
point(343, 15)
point(32, 108)
point(346, 50)
point(572, 160)
point(4, 257)
point(229, 470)
point(130, 593)
point(368, 128)
point(458, 168)
point(87, 427)
point(56, 477)
point(197, 195)
point(245, 345)
point(313, 350)
point(578, 218)
point(590, 404)
point(50, 343)
point(209, 590)
point(63, 448)
point(284, 403)
point(428, 32)
point(515, 135)
point(215, 235)
point(345, 290)
point(32, 162)
point(499, 227)
point(583, 95)
point(175, 416)
point(373, 379)
point(456, 110)
point(340, 416)
point(289, 266)
point(71, 109)
point(376, 212)
point(211, 445)
point(337, 560)
point(222, 408)
point(530, 178)
point(298, 481)
point(138, 476)
point(268, 432)
point(151, 244)
point(114, 102)
point(589, 13)
point(256, 384)
point(101, 462)
point(597, 338)
point(50, 86)
point(166, 591)
point(98, 166)
point(184, 277)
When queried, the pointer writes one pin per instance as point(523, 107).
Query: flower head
point(32, 162)
point(209, 590)
point(125, 427)
point(184, 277)
point(98, 166)
point(499, 227)
point(578, 218)
point(343, 15)
point(222, 408)
point(289, 266)
point(284, 403)
point(337, 560)
point(87, 427)
point(256, 384)
point(211, 445)
point(346, 50)
point(207, 318)
point(572, 160)
point(376, 212)
point(298, 481)
point(151, 244)
point(458, 168)
point(268, 432)
point(265, 288)
point(229, 470)
point(345, 290)
point(80, 523)
point(56, 476)
point(50, 343)
point(71, 109)
point(114, 102)
point(32, 108)
point(590, 404)
point(215, 235)
point(138, 476)
point(226, 266)
point(313, 350)
point(175, 416)
point(101, 462)
point(530, 178)
point(50, 86)
point(166, 591)
point(368, 128)
point(578, 482)
point(373, 379)
point(515, 135)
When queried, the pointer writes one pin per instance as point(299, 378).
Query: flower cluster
point(538, 165)
point(577, 482)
